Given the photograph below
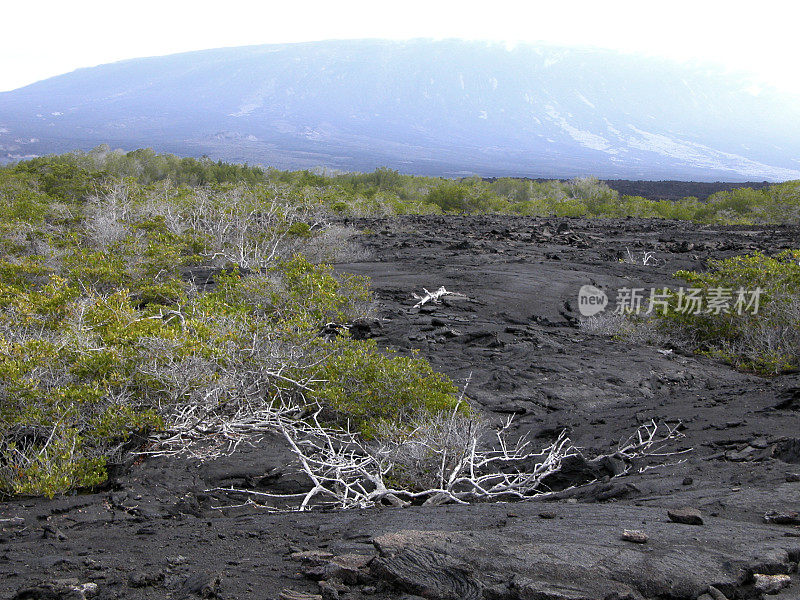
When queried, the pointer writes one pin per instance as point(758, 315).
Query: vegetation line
point(388, 192)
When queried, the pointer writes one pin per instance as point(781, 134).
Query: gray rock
point(12, 523)
point(635, 536)
point(60, 589)
point(350, 569)
point(295, 595)
point(205, 585)
point(686, 515)
point(532, 552)
point(428, 572)
point(530, 588)
point(328, 591)
point(140, 579)
point(715, 594)
point(771, 584)
point(312, 556)
point(50, 532)
point(782, 518)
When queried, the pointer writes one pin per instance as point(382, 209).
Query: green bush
point(20, 199)
point(366, 387)
point(62, 177)
point(57, 467)
point(766, 341)
point(60, 390)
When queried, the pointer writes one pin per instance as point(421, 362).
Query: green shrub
point(55, 468)
point(366, 386)
point(20, 199)
point(766, 341)
point(63, 177)
point(311, 295)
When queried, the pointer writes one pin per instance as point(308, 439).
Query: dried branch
point(434, 297)
point(444, 459)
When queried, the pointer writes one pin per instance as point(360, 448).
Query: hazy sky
point(45, 38)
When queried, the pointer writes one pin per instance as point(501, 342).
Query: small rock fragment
point(141, 579)
point(771, 584)
point(715, 594)
point(686, 515)
point(635, 536)
point(547, 515)
point(328, 590)
point(50, 532)
point(204, 585)
point(175, 561)
point(12, 523)
point(188, 505)
point(688, 481)
point(295, 595)
point(145, 530)
point(740, 455)
point(92, 565)
point(345, 568)
point(316, 556)
point(782, 518)
point(68, 589)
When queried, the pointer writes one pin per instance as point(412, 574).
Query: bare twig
point(434, 297)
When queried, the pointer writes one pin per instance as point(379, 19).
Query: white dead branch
point(238, 404)
point(445, 459)
point(247, 227)
point(647, 259)
point(650, 442)
point(429, 459)
point(434, 297)
point(246, 232)
point(202, 432)
point(106, 217)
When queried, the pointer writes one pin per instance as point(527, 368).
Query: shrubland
point(158, 304)
point(388, 192)
point(131, 312)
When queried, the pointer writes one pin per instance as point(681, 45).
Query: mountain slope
point(434, 107)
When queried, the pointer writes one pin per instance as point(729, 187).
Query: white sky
point(39, 39)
